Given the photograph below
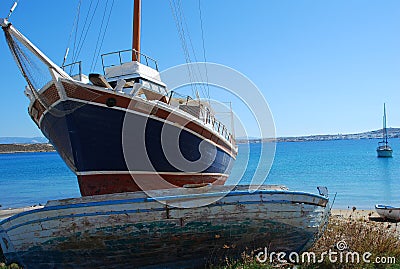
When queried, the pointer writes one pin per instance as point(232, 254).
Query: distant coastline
point(392, 133)
point(47, 147)
point(22, 148)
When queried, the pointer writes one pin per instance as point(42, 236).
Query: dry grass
point(12, 266)
point(4, 266)
point(360, 235)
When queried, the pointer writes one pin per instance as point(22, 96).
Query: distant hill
point(392, 133)
point(23, 140)
point(17, 148)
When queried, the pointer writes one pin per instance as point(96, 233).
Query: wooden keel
point(98, 184)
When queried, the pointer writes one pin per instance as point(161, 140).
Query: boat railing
point(70, 69)
point(125, 56)
point(177, 96)
point(220, 128)
point(201, 112)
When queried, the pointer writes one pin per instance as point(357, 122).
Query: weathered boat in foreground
point(388, 212)
point(168, 231)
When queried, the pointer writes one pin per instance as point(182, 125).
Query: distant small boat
point(132, 230)
point(384, 150)
point(388, 212)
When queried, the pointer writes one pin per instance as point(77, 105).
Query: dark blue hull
point(97, 140)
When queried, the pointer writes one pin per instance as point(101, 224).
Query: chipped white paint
point(112, 226)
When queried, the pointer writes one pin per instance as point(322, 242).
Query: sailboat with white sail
point(384, 150)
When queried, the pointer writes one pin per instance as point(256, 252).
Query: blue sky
point(325, 67)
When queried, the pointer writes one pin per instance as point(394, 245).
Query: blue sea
point(349, 168)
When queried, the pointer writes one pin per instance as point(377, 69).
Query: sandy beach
point(367, 216)
point(6, 213)
point(363, 214)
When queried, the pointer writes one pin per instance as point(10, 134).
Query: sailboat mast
point(136, 31)
point(384, 123)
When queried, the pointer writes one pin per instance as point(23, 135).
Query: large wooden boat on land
point(96, 121)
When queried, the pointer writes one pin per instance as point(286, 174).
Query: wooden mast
point(136, 31)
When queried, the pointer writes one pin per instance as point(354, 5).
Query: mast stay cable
point(74, 27)
point(84, 33)
point(102, 34)
point(195, 75)
point(196, 78)
point(204, 52)
point(183, 42)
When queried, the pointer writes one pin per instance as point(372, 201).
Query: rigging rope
point(76, 45)
point(37, 73)
point(192, 48)
point(183, 42)
point(101, 35)
point(105, 30)
point(84, 33)
point(196, 79)
point(74, 25)
point(195, 74)
point(204, 52)
point(196, 69)
point(76, 35)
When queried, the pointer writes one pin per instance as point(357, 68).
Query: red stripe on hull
point(116, 183)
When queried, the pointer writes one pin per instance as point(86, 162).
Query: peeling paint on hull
point(131, 229)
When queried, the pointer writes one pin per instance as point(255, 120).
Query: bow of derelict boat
point(116, 230)
point(388, 212)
